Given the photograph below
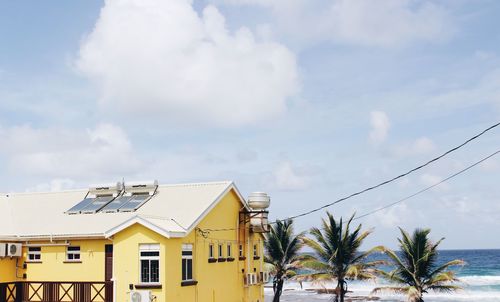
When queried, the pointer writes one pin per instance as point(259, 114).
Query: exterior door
point(108, 262)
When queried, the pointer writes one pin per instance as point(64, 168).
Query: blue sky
point(306, 100)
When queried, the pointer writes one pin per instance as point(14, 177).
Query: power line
point(427, 188)
point(397, 177)
point(407, 197)
point(386, 181)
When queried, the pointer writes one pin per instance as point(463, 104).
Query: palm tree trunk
point(278, 288)
point(340, 285)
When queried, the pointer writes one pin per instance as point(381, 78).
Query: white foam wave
point(469, 293)
point(480, 280)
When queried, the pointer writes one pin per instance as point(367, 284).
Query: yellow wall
point(220, 281)
point(55, 268)
point(126, 260)
point(7, 269)
point(224, 281)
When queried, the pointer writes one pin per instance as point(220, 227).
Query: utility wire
point(402, 199)
point(407, 197)
point(428, 188)
point(397, 177)
point(386, 181)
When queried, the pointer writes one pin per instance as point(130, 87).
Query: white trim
point(147, 247)
point(230, 187)
point(139, 220)
point(187, 247)
point(74, 253)
point(34, 253)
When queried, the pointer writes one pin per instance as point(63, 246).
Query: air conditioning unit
point(140, 296)
point(264, 277)
point(14, 250)
point(3, 249)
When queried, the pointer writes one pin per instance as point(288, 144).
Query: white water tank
point(259, 201)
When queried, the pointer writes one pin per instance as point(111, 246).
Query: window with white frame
point(149, 263)
point(229, 252)
point(241, 251)
point(73, 253)
point(187, 262)
point(211, 251)
point(255, 251)
point(221, 250)
point(34, 253)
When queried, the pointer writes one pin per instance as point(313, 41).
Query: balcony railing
point(56, 291)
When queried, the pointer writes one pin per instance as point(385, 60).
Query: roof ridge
point(43, 192)
point(193, 184)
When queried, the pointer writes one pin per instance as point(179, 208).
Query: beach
point(480, 279)
point(361, 292)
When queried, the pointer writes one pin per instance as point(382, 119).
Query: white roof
point(173, 211)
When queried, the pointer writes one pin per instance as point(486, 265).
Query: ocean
point(480, 278)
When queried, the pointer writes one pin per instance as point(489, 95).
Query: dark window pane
point(38, 257)
point(77, 256)
point(155, 267)
point(187, 253)
point(73, 248)
point(189, 269)
point(144, 271)
point(70, 257)
point(35, 249)
point(150, 254)
point(184, 261)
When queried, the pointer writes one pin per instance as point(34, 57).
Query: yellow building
point(133, 242)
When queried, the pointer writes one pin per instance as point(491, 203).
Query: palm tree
point(416, 269)
point(282, 254)
point(337, 256)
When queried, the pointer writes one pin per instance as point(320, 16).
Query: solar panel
point(80, 206)
point(135, 202)
point(116, 204)
point(97, 204)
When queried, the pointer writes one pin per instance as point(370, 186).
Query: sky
point(307, 100)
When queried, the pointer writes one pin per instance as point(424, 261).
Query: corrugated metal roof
point(173, 211)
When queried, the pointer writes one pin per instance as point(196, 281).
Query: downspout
point(113, 279)
point(248, 263)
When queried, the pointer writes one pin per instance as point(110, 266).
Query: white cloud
point(162, 60)
point(289, 178)
point(383, 23)
point(420, 146)
point(55, 185)
point(92, 154)
point(392, 217)
point(380, 125)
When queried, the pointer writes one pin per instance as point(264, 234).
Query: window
point(150, 263)
point(211, 251)
point(229, 251)
point(73, 253)
point(187, 262)
point(255, 251)
point(34, 254)
point(241, 251)
point(221, 251)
